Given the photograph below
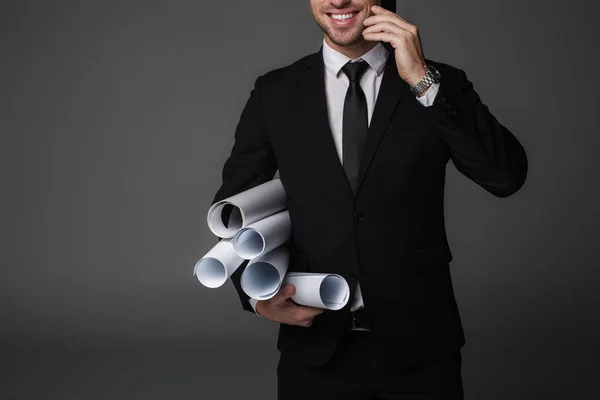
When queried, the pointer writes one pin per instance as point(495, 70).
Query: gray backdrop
point(116, 118)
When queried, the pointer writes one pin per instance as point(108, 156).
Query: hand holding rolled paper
point(281, 308)
point(255, 225)
point(328, 291)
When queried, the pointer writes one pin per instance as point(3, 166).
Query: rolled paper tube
point(328, 291)
point(218, 264)
point(226, 217)
point(263, 236)
point(263, 276)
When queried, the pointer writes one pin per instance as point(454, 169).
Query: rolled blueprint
point(226, 217)
point(263, 236)
point(328, 291)
point(263, 275)
point(218, 264)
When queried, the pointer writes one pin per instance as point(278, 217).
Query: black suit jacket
point(391, 235)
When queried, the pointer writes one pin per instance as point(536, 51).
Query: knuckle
point(296, 316)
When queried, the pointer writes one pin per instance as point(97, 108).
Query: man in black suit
point(361, 135)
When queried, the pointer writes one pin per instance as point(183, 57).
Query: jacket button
point(441, 100)
point(358, 217)
point(447, 106)
point(452, 113)
point(354, 276)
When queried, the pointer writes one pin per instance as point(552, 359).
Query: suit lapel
point(391, 91)
point(313, 103)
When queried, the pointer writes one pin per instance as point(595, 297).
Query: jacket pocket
point(426, 258)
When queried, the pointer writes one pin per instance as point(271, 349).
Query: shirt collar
point(334, 60)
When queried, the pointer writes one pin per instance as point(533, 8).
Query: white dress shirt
point(336, 86)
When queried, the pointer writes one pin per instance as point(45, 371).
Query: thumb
point(287, 291)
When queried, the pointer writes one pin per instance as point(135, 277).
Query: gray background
point(116, 118)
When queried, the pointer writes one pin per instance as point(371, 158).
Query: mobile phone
point(391, 6)
point(387, 4)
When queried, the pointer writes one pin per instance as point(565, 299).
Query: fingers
point(391, 23)
point(382, 37)
point(306, 323)
point(305, 320)
point(386, 26)
point(283, 309)
point(302, 315)
point(299, 312)
point(388, 16)
point(309, 312)
point(381, 11)
point(395, 18)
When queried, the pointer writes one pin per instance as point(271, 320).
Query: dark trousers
point(354, 372)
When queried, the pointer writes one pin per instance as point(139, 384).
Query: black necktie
point(356, 121)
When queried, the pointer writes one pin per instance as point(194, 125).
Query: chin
point(345, 39)
point(343, 36)
point(345, 42)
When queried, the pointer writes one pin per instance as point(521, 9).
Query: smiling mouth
point(341, 18)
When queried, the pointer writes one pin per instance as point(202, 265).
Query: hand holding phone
point(391, 6)
point(390, 29)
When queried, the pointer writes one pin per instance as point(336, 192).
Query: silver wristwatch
point(432, 76)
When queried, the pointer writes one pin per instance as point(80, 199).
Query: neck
point(354, 50)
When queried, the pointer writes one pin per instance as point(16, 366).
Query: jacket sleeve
point(480, 147)
point(250, 163)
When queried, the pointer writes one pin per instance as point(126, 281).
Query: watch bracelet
point(426, 82)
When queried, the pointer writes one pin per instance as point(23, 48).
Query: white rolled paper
point(263, 236)
point(263, 276)
point(247, 207)
point(328, 291)
point(218, 264)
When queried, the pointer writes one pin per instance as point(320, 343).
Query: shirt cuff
point(429, 97)
point(253, 304)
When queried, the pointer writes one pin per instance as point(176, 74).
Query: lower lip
point(345, 22)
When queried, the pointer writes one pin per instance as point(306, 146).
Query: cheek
point(315, 12)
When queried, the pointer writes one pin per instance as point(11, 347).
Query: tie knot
point(354, 70)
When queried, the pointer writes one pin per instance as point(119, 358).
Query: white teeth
point(342, 17)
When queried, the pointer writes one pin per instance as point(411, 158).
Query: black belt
point(359, 320)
